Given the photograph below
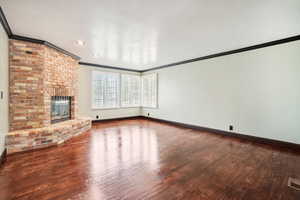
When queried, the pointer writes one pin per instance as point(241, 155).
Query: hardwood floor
point(140, 159)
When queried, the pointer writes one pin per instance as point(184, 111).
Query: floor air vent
point(294, 183)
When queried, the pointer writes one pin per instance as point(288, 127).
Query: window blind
point(105, 86)
point(130, 90)
point(149, 90)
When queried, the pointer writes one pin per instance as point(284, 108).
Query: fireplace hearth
point(42, 92)
point(60, 108)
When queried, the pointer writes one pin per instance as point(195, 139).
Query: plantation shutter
point(105, 87)
point(149, 90)
point(130, 90)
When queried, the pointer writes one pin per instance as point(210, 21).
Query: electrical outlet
point(231, 127)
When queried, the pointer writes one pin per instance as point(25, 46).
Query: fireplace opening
point(60, 108)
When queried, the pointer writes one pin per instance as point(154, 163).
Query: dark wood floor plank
point(141, 159)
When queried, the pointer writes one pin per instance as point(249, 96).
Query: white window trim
point(92, 93)
point(140, 91)
point(119, 106)
point(156, 100)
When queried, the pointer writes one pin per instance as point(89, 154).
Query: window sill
point(150, 107)
point(125, 107)
point(115, 108)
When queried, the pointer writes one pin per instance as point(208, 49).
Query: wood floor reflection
point(141, 159)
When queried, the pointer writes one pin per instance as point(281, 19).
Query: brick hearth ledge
point(29, 139)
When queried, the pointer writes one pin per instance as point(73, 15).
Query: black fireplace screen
point(60, 108)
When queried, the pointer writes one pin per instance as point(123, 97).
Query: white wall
point(3, 87)
point(256, 91)
point(85, 96)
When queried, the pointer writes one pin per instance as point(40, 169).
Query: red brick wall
point(38, 72)
point(60, 79)
point(26, 104)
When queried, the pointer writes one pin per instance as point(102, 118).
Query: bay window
point(130, 90)
point(115, 90)
point(105, 86)
point(149, 90)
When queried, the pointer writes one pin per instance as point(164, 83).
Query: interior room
point(163, 100)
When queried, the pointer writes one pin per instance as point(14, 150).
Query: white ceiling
point(140, 34)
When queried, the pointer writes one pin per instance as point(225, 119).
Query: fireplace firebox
point(60, 108)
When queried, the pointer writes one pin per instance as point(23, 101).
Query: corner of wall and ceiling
point(4, 23)
point(10, 34)
point(110, 67)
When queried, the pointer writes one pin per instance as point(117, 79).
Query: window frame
point(93, 107)
point(140, 91)
point(119, 91)
point(156, 91)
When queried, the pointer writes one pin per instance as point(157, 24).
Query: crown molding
point(225, 53)
point(48, 44)
point(5, 24)
point(109, 67)
point(10, 35)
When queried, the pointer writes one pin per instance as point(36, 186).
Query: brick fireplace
point(38, 74)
